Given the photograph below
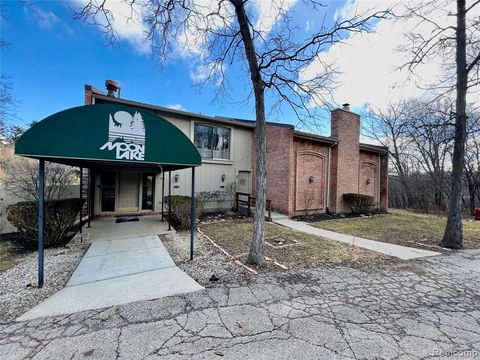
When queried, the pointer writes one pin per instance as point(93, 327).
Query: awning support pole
point(81, 197)
point(163, 194)
point(89, 195)
point(169, 198)
point(192, 214)
point(41, 219)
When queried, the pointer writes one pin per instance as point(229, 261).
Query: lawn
point(7, 256)
point(295, 250)
point(404, 228)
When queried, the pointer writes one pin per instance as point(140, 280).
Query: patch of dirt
point(279, 241)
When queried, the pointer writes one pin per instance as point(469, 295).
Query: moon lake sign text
point(126, 136)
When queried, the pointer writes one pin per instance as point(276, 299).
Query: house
point(305, 172)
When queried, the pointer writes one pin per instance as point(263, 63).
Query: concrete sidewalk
point(401, 252)
point(117, 272)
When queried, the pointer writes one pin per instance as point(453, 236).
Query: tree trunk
point(256, 255)
point(453, 237)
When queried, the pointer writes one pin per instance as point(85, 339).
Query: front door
point(128, 192)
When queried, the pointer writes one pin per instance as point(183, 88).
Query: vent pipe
point(112, 87)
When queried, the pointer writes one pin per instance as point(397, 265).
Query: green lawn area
point(235, 238)
point(404, 228)
point(7, 256)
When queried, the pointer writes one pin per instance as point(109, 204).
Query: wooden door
point(310, 181)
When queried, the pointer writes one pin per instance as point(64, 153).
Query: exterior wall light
point(176, 177)
point(368, 181)
point(310, 179)
point(223, 177)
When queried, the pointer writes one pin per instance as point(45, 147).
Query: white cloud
point(269, 12)
point(126, 22)
point(176, 107)
point(44, 19)
point(369, 63)
point(199, 72)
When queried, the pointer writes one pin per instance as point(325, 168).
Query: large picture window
point(212, 142)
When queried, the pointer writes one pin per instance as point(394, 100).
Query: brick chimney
point(345, 127)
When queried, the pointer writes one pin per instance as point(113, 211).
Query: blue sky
point(51, 56)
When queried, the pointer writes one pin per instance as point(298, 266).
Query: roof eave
point(318, 138)
point(172, 111)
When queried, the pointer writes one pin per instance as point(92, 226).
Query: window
point(212, 142)
point(148, 185)
point(107, 185)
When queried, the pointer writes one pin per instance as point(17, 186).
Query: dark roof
point(374, 148)
point(98, 95)
point(320, 138)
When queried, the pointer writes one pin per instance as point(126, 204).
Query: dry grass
point(7, 256)
point(404, 228)
point(310, 251)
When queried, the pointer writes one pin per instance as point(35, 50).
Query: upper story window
point(212, 142)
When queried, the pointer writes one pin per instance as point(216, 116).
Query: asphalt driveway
point(419, 309)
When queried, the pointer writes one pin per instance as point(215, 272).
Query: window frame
point(214, 159)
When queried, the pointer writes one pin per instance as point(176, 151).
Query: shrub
point(60, 216)
point(180, 211)
point(360, 204)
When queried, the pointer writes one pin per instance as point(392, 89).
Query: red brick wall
point(384, 181)
point(279, 166)
point(88, 95)
point(345, 156)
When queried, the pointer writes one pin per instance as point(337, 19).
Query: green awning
point(108, 134)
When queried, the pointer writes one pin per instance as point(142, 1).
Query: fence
point(250, 202)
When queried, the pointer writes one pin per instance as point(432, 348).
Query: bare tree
point(447, 41)
point(21, 179)
point(432, 136)
point(419, 137)
point(225, 32)
point(390, 127)
point(7, 101)
point(472, 161)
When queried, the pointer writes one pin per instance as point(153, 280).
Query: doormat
point(126, 219)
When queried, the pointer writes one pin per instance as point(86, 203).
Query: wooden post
point(41, 220)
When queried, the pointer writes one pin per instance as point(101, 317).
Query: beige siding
point(208, 176)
